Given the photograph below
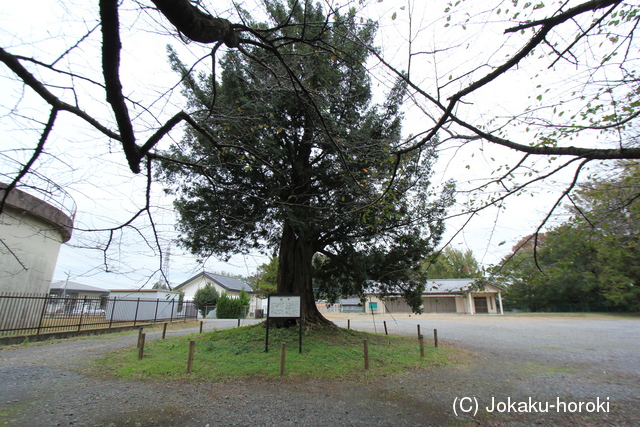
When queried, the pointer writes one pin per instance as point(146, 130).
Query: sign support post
point(288, 306)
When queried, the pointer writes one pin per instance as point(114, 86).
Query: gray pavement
point(603, 342)
point(573, 358)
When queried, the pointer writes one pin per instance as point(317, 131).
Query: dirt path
point(501, 358)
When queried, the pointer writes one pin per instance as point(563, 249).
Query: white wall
point(33, 244)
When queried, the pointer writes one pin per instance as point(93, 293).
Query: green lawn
point(240, 353)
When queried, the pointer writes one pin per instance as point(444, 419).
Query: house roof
point(146, 294)
point(77, 287)
point(450, 286)
point(228, 283)
point(350, 301)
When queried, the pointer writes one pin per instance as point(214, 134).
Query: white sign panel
point(284, 306)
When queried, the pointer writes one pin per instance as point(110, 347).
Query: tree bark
point(295, 276)
point(197, 25)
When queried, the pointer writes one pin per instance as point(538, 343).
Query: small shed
point(143, 304)
point(73, 298)
point(351, 305)
point(76, 290)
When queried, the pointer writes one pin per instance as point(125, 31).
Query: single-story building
point(76, 290)
point(75, 298)
point(145, 294)
point(230, 285)
point(144, 305)
point(445, 296)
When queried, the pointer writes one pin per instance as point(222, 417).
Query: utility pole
point(64, 293)
point(64, 290)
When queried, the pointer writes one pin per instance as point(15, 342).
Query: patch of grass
point(240, 353)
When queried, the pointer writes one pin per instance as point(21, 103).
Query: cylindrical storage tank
point(31, 232)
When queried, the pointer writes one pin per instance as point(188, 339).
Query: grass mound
point(327, 352)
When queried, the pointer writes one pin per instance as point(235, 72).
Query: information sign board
point(284, 306)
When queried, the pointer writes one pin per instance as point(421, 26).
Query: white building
point(230, 285)
point(445, 296)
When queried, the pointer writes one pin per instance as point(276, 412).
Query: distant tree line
point(593, 259)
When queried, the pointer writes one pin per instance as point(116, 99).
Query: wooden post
point(385, 327)
point(135, 319)
point(348, 323)
point(283, 352)
point(164, 330)
point(366, 355)
point(192, 349)
point(201, 323)
point(435, 338)
point(141, 345)
point(238, 323)
point(421, 339)
point(139, 337)
point(419, 331)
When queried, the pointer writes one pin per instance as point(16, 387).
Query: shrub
point(205, 297)
point(228, 308)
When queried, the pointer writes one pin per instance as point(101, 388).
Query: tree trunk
point(294, 276)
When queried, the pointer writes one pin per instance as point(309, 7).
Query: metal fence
point(28, 314)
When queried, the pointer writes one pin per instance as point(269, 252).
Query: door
point(481, 304)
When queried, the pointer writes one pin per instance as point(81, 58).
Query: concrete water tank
point(31, 232)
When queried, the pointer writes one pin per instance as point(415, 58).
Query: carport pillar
point(470, 303)
point(500, 302)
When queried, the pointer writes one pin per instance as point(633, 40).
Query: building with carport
point(462, 296)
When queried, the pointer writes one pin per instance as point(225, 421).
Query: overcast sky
point(94, 173)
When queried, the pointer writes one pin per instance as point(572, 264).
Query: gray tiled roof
point(452, 286)
point(229, 283)
point(350, 301)
point(447, 286)
point(77, 287)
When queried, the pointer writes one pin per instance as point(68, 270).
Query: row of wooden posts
point(420, 337)
point(283, 347)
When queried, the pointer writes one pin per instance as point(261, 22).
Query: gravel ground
point(508, 359)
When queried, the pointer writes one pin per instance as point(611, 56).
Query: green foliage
point(206, 296)
point(453, 264)
point(244, 298)
point(160, 284)
point(229, 308)
point(266, 281)
point(298, 158)
point(594, 257)
point(180, 300)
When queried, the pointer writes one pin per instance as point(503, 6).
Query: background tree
point(206, 296)
point(590, 259)
point(232, 308)
point(301, 160)
point(160, 284)
point(552, 86)
point(607, 211)
point(453, 264)
point(266, 278)
point(557, 274)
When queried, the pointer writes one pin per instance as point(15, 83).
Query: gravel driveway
point(516, 364)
